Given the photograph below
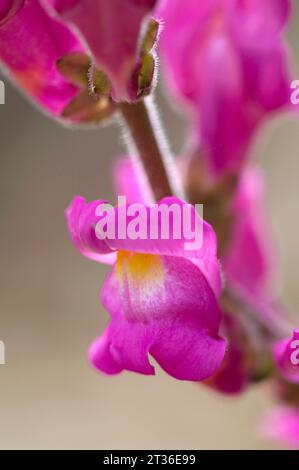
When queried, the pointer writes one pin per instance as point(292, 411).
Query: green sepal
point(87, 108)
point(146, 74)
point(150, 37)
point(75, 68)
point(99, 82)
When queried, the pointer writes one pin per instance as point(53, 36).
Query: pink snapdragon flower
point(161, 298)
point(112, 31)
point(227, 59)
point(31, 43)
point(286, 357)
point(247, 265)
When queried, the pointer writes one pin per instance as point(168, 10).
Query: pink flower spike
point(286, 357)
point(162, 302)
point(227, 60)
point(112, 31)
point(31, 43)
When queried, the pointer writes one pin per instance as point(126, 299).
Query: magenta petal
point(121, 347)
point(101, 357)
point(224, 140)
point(81, 218)
point(9, 8)
point(175, 319)
point(31, 42)
point(186, 354)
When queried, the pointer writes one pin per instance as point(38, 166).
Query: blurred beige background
point(49, 308)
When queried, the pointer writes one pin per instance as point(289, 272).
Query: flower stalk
point(148, 143)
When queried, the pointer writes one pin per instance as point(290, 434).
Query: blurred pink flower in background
point(30, 45)
point(227, 59)
point(282, 425)
point(52, 51)
point(161, 298)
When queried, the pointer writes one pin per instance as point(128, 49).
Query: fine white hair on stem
point(146, 140)
point(166, 153)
